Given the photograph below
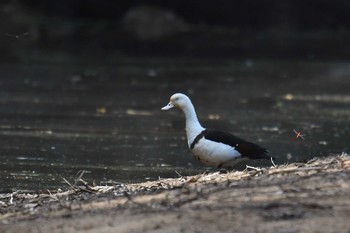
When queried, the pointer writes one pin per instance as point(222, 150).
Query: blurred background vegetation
point(303, 29)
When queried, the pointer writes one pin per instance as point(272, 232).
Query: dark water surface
point(58, 118)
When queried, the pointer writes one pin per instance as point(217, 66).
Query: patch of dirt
point(299, 197)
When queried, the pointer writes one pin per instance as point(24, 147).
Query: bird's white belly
point(215, 154)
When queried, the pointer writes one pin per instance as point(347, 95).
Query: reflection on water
point(57, 119)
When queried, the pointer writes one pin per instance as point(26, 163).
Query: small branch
point(298, 169)
point(68, 183)
point(178, 174)
point(273, 163)
point(11, 199)
point(87, 186)
point(52, 196)
point(78, 177)
point(253, 168)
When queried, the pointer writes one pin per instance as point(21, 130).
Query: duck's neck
point(193, 127)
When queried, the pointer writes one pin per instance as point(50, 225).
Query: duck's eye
point(177, 98)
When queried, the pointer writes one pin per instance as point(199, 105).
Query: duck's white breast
point(214, 153)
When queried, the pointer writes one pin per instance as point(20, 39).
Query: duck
point(213, 147)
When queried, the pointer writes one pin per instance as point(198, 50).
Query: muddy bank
point(299, 197)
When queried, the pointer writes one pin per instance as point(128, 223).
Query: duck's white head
point(178, 100)
point(181, 101)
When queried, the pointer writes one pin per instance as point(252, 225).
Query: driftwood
point(286, 191)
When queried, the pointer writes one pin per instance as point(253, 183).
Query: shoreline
point(298, 197)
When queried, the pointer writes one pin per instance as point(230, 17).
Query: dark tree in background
point(230, 28)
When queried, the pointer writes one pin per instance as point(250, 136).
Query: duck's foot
point(223, 171)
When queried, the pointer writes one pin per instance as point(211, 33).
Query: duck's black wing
point(245, 148)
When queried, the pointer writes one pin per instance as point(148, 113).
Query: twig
point(273, 163)
point(11, 199)
point(87, 186)
point(78, 176)
point(68, 183)
point(298, 169)
point(52, 196)
point(178, 174)
point(253, 168)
